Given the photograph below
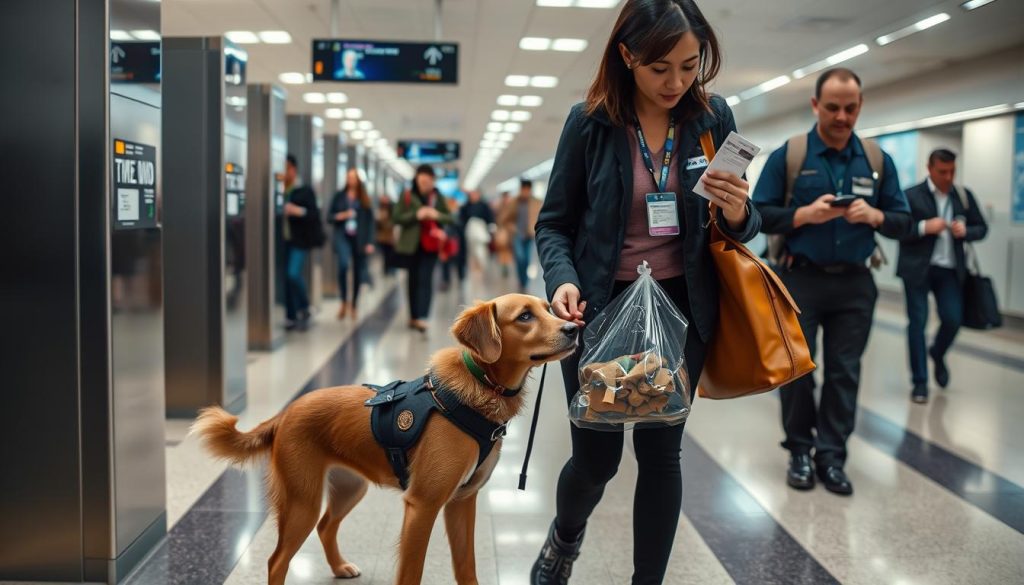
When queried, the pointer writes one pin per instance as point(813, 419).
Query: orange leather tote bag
point(758, 345)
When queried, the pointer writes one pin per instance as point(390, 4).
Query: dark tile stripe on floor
point(982, 353)
point(748, 542)
point(990, 492)
point(204, 546)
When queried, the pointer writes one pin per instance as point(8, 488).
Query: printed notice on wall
point(234, 189)
point(134, 192)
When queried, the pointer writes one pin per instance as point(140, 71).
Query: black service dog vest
point(400, 413)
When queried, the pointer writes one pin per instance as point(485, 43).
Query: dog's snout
point(570, 329)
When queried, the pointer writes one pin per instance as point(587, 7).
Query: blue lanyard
point(836, 182)
point(646, 152)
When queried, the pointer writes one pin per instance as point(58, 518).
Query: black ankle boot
point(554, 565)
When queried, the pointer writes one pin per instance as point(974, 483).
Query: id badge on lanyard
point(662, 207)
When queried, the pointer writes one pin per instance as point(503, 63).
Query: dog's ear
point(477, 329)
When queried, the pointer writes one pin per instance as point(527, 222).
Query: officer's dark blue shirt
point(826, 170)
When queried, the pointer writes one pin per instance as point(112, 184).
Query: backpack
point(796, 155)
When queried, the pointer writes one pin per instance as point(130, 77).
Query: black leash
point(533, 429)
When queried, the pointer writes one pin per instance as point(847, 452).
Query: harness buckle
point(499, 432)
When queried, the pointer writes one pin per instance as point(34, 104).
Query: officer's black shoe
point(554, 565)
point(835, 480)
point(919, 394)
point(941, 371)
point(800, 474)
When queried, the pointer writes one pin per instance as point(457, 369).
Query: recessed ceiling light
point(501, 144)
point(596, 3)
point(535, 43)
point(555, 3)
point(831, 61)
point(337, 97)
point(121, 35)
point(531, 101)
point(349, 125)
point(334, 113)
point(292, 78)
point(732, 100)
point(506, 136)
point(500, 115)
point(569, 45)
point(353, 113)
point(918, 26)
point(314, 98)
point(486, 144)
point(765, 87)
point(365, 125)
point(357, 135)
point(517, 80)
point(972, 4)
point(494, 126)
point(521, 116)
point(275, 37)
point(146, 35)
point(373, 134)
point(508, 100)
point(490, 135)
point(543, 81)
point(242, 37)
point(513, 127)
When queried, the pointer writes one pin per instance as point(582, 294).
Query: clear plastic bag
point(633, 369)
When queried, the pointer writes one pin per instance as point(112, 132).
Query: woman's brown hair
point(362, 195)
point(650, 29)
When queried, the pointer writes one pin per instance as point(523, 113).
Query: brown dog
point(328, 433)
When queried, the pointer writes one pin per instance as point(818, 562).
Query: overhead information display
point(428, 151)
point(135, 62)
point(385, 61)
point(134, 193)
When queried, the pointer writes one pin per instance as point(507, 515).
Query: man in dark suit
point(932, 259)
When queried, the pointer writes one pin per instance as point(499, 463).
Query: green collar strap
point(484, 379)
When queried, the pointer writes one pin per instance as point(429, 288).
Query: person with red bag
point(421, 212)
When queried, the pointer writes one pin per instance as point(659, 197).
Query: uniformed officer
point(828, 193)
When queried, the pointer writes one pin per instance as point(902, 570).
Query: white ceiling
point(762, 39)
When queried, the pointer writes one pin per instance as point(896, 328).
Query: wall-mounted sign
point(234, 65)
point(1018, 171)
point(135, 62)
point(134, 193)
point(428, 151)
point(234, 189)
point(385, 61)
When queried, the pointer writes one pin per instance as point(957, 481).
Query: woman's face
point(664, 82)
point(352, 179)
point(424, 183)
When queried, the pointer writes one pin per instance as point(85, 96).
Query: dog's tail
point(217, 429)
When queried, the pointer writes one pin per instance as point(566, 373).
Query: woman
point(352, 216)
point(422, 213)
point(386, 234)
point(593, 231)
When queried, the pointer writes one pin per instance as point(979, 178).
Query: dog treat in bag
point(633, 369)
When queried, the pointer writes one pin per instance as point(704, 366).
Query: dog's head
point(515, 328)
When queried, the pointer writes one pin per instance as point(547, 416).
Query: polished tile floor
point(938, 487)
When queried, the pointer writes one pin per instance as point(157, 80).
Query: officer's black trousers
point(842, 306)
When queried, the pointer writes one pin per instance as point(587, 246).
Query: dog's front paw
point(347, 571)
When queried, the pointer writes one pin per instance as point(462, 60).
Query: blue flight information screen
point(428, 151)
point(385, 62)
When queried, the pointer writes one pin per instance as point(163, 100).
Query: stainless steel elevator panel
point(82, 491)
point(205, 156)
point(306, 142)
point(267, 149)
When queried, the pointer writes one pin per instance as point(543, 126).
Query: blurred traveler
point(421, 212)
point(502, 237)
point(519, 218)
point(352, 216)
point(593, 231)
point(386, 234)
point(302, 232)
point(452, 253)
point(478, 219)
point(829, 192)
point(932, 259)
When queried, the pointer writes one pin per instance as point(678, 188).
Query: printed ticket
point(734, 156)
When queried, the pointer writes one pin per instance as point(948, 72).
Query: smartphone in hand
point(843, 200)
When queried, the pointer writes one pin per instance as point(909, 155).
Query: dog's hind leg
point(459, 522)
point(345, 488)
point(297, 501)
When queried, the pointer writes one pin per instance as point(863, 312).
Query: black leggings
point(659, 484)
point(421, 283)
point(357, 258)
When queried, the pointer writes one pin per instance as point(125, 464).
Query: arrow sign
point(116, 54)
point(433, 54)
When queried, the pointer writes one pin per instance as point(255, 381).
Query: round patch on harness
point(405, 420)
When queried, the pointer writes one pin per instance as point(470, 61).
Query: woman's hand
point(425, 213)
point(344, 215)
point(730, 193)
point(369, 249)
point(567, 305)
